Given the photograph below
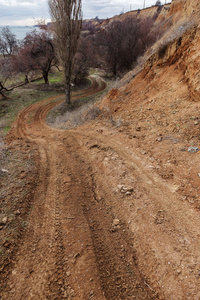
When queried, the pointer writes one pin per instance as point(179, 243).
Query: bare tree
point(37, 52)
point(8, 42)
point(5, 74)
point(67, 21)
point(124, 41)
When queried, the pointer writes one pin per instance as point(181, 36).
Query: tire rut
point(165, 238)
point(70, 249)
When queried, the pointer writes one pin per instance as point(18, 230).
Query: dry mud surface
point(104, 223)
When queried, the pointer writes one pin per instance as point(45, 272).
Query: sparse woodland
point(114, 48)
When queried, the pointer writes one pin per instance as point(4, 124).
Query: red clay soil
point(71, 248)
point(115, 214)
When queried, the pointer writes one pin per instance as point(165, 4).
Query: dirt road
point(71, 249)
point(103, 225)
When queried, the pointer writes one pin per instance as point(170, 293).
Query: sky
point(27, 12)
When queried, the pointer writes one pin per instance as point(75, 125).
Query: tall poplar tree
point(67, 21)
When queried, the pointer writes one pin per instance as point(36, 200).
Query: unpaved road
point(103, 225)
point(71, 249)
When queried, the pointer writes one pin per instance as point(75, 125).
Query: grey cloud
point(27, 10)
point(16, 10)
point(104, 9)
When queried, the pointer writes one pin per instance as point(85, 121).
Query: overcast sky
point(25, 12)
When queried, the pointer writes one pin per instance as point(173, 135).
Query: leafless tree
point(5, 74)
point(67, 21)
point(8, 42)
point(37, 52)
point(124, 41)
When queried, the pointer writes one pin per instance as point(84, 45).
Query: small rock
point(128, 193)
point(68, 273)
point(65, 295)
point(199, 174)
point(116, 222)
point(176, 188)
point(196, 122)
point(159, 139)
point(178, 271)
point(17, 212)
point(14, 272)
point(193, 149)
point(143, 152)
point(4, 171)
point(120, 187)
point(4, 221)
point(123, 190)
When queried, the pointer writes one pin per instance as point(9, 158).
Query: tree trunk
point(1, 91)
point(3, 96)
point(115, 69)
point(68, 94)
point(68, 72)
point(45, 76)
point(26, 79)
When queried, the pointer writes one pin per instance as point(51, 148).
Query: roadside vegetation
point(114, 48)
point(21, 97)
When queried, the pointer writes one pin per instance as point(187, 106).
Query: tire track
point(161, 223)
point(69, 249)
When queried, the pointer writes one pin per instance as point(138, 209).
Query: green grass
point(15, 80)
point(26, 95)
point(19, 99)
point(6, 129)
point(56, 77)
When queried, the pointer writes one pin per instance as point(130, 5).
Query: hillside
point(113, 209)
point(158, 113)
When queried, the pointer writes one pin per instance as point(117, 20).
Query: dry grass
point(73, 118)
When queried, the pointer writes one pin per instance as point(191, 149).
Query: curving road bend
point(103, 224)
point(71, 249)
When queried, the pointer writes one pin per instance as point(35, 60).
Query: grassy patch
point(19, 99)
point(15, 80)
point(54, 77)
point(6, 129)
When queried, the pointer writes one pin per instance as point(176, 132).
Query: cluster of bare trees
point(117, 46)
point(34, 53)
point(114, 47)
point(37, 50)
